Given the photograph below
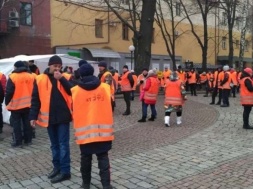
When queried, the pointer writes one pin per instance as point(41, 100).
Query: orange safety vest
point(215, 77)
point(96, 124)
point(193, 78)
point(102, 79)
point(182, 76)
point(152, 93)
point(141, 78)
point(227, 84)
point(173, 94)
point(220, 79)
point(234, 78)
point(135, 82)
point(125, 83)
point(209, 78)
point(245, 95)
point(203, 78)
point(116, 79)
point(44, 90)
point(22, 97)
point(166, 75)
point(239, 76)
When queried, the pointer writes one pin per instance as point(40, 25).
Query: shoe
point(16, 144)
point(85, 186)
point(53, 173)
point(167, 121)
point(108, 187)
point(247, 127)
point(234, 96)
point(143, 119)
point(218, 103)
point(205, 96)
point(195, 95)
point(212, 103)
point(27, 143)
point(224, 105)
point(60, 177)
point(152, 118)
point(179, 120)
point(126, 113)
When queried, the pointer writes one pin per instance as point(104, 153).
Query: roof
point(103, 53)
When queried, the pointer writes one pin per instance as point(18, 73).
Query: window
point(153, 35)
point(126, 2)
point(224, 19)
point(124, 31)
point(98, 28)
point(237, 44)
point(178, 9)
point(224, 43)
point(26, 14)
point(246, 45)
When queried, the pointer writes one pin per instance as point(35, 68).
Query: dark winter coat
point(59, 112)
point(91, 83)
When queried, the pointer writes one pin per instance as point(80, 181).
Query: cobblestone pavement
point(209, 150)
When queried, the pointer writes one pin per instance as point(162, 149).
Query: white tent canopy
point(7, 66)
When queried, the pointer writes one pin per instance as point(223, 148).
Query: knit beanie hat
point(54, 60)
point(81, 62)
point(19, 64)
point(151, 73)
point(125, 66)
point(102, 64)
point(86, 70)
point(248, 70)
point(225, 68)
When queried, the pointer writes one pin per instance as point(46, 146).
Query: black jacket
point(58, 110)
point(226, 77)
point(91, 83)
point(10, 89)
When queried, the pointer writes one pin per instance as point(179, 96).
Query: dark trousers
point(179, 114)
point(145, 110)
point(234, 90)
point(1, 117)
point(246, 112)
point(193, 88)
point(103, 165)
point(19, 120)
point(59, 138)
point(214, 94)
point(132, 94)
point(225, 96)
point(127, 96)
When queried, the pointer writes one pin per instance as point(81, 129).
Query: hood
point(20, 69)
point(89, 82)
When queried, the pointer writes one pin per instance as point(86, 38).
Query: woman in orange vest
point(175, 95)
point(225, 85)
point(18, 101)
point(246, 94)
point(93, 133)
point(51, 109)
point(192, 80)
point(151, 89)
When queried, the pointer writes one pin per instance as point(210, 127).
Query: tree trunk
point(145, 37)
point(231, 47)
point(205, 46)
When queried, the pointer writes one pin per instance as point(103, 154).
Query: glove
point(141, 82)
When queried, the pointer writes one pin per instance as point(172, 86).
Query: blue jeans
point(145, 109)
point(59, 138)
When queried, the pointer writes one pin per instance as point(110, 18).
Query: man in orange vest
point(225, 84)
point(127, 83)
point(209, 83)
point(18, 101)
point(246, 94)
point(174, 98)
point(51, 109)
point(151, 89)
point(166, 75)
point(234, 81)
point(181, 75)
point(192, 80)
point(215, 85)
point(93, 133)
point(105, 76)
point(135, 84)
point(2, 93)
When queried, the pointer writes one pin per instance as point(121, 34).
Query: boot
point(167, 121)
point(179, 120)
point(143, 119)
point(247, 127)
point(152, 118)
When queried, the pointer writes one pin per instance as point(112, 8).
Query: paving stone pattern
point(209, 150)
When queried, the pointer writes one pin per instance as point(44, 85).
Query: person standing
point(225, 84)
point(51, 108)
point(181, 75)
point(246, 94)
point(18, 102)
point(135, 78)
point(216, 76)
point(33, 68)
point(166, 75)
point(151, 89)
point(2, 94)
point(209, 83)
point(192, 80)
point(106, 77)
point(127, 83)
point(234, 81)
point(175, 95)
point(94, 134)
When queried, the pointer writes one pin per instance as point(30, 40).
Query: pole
point(131, 59)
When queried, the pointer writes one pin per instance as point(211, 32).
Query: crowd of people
point(58, 96)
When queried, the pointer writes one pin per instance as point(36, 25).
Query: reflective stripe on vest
point(19, 103)
point(93, 136)
point(173, 101)
point(246, 96)
point(150, 96)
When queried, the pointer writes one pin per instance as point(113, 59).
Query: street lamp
point(131, 49)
